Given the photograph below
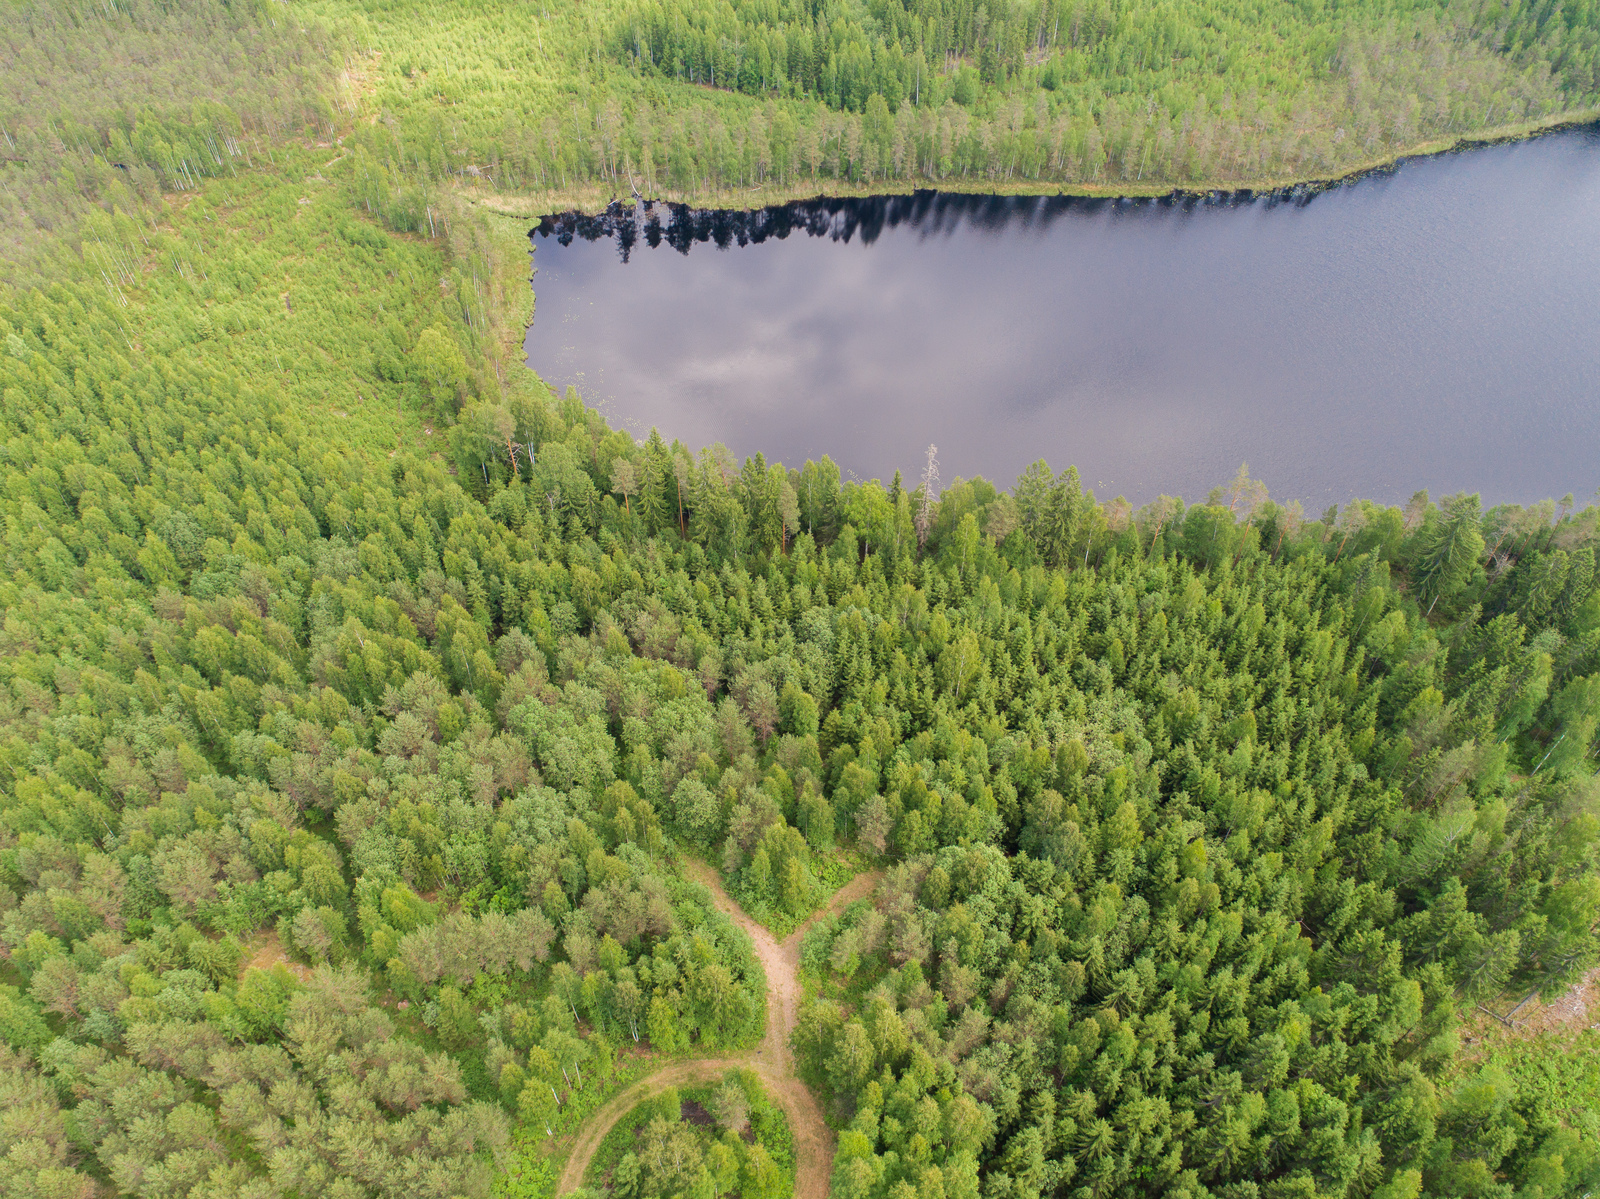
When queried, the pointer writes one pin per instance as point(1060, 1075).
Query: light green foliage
point(1555, 1081)
point(1083, 931)
point(1450, 546)
point(105, 106)
point(36, 1157)
point(283, 739)
point(438, 361)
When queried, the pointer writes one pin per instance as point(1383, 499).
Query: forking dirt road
point(771, 1060)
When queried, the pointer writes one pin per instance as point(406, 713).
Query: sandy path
point(772, 1061)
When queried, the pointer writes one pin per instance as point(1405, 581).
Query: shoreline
point(595, 200)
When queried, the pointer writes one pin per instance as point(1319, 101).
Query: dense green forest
point(691, 98)
point(1133, 89)
point(113, 103)
point(1219, 829)
point(362, 697)
point(846, 53)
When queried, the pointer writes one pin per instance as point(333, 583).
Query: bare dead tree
point(930, 486)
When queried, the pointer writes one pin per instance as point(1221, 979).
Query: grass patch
point(1557, 1069)
point(695, 1111)
point(625, 1132)
point(534, 1161)
point(834, 870)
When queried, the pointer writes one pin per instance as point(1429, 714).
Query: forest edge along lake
point(1436, 325)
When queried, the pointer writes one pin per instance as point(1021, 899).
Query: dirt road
point(771, 1060)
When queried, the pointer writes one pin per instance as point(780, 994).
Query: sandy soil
point(266, 951)
point(1578, 1007)
point(772, 1061)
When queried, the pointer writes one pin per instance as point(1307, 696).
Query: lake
point(1433, 326)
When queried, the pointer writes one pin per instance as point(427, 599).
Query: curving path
point(771, 1060)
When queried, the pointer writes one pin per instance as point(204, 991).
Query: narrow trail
point(771, 1060)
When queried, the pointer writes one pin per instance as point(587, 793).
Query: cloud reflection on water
point(1437, 326)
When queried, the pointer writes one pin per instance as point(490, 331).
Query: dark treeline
point(849, 53)
point(1081, 92)
point(843, 218)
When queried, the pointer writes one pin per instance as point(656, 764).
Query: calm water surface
point(1437, 326)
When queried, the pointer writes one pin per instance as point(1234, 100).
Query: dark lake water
point(1435, 326)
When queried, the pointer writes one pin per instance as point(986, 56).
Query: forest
point(688, 100)
point(369, 712)
point(114, 105)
